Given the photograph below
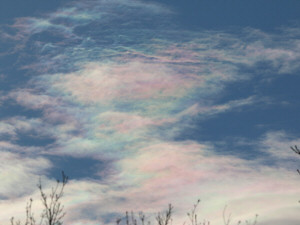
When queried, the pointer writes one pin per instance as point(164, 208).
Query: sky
point(144, 103)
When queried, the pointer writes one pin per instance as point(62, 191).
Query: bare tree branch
point(164, 219)
point(297, 151)
point(53, 209)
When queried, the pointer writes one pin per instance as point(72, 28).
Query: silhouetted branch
point(164, 219)
point(53, 209)
point(227, 221)
point(297, 151)
point(193, 216)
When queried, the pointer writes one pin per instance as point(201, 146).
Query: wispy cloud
point(16, 168)
point(104, 88)
point(278, 143)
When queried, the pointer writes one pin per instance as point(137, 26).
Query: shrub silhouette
point(165, 218)
point(53, 211)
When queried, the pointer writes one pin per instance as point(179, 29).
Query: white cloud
point(278, 143)
point(17, 169)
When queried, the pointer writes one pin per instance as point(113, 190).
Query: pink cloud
point(150, 173)
point(28, 98)
point(134, 81)
point(127, 122)
point(169, 172)
point(180, 173)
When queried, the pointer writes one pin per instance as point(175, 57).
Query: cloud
point(197, 109)
point(180, 173)
point(16, 169)
point(278, 143)
point(104, 89)
point(132, 81)
point(31, 100)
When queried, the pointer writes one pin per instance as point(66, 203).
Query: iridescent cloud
point(103, 89)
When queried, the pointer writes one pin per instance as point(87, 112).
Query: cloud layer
point(110, 80)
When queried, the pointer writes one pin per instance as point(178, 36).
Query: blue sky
point(143, 103)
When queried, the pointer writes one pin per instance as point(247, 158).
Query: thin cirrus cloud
point(103, 89)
